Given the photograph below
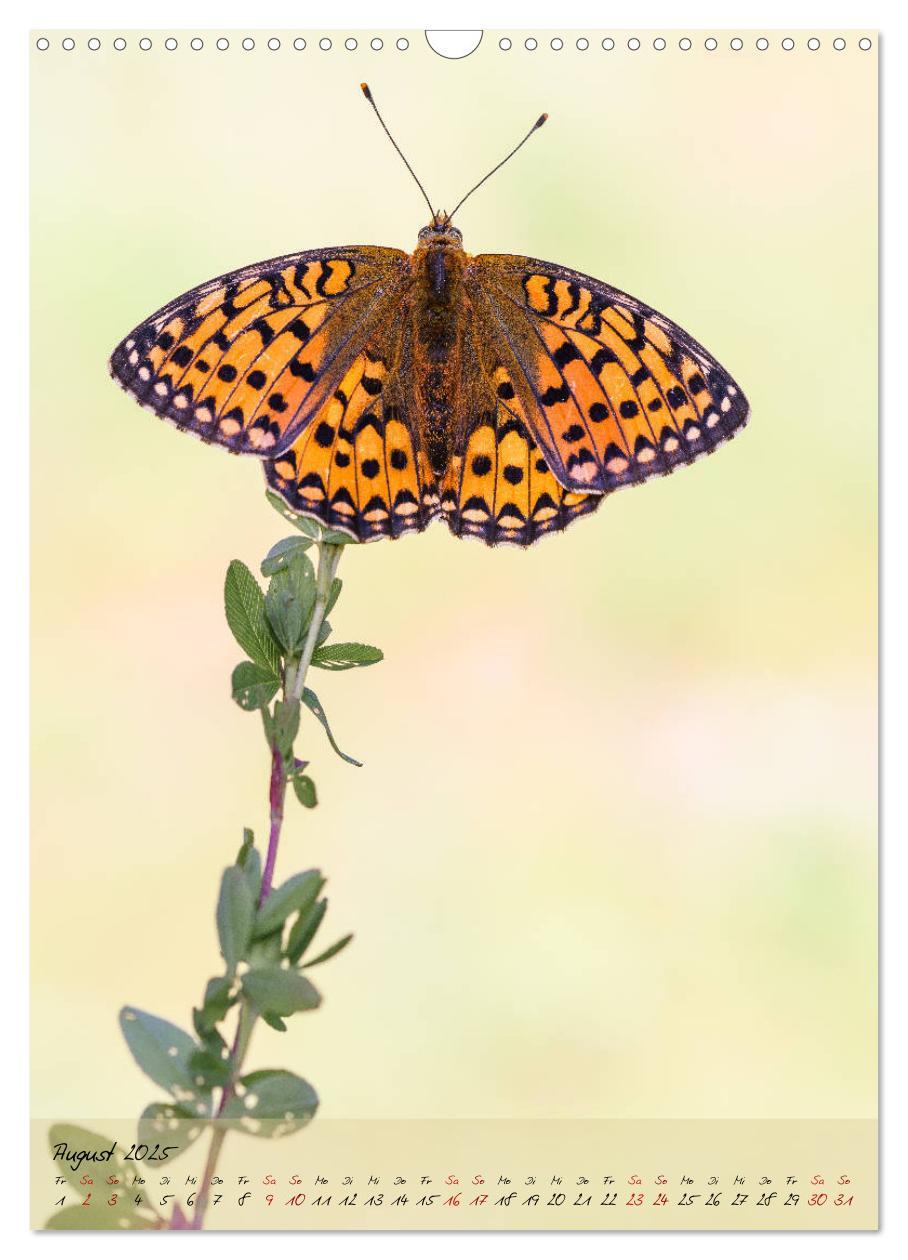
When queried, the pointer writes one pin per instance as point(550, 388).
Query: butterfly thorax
point(438, 312)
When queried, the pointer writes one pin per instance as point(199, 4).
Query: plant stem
point(245, 1024)
point(277, 790)
point(328, 559)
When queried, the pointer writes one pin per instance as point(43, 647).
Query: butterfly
point(381, 390)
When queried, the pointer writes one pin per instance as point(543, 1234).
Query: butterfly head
point(441, 233)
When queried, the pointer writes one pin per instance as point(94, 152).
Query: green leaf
point(304, 787)
point(323, 634)
point(278, 991)
point(215, 1005)
point(331, 951)
point(303, 523)
point(290, 600)
point(297, 893)
point(333, 595)
point(304, 929)
point(286, 725)
point(314, 705)
point(275, 1022)
point(311, 528)
point(244, 605)
point(252, 687)
point(346, 656)
point(169, 1125)
point(283, 552)
point(285, 616)
point(250, 860)
point(235, 915)
point(207, 1033)
point(271, 1103)
point(212, 1040)
point(209, 1071)
point(162, 1051)
point(246, 847)
point(267, 951)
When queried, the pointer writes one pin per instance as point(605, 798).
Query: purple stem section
point(276, 799)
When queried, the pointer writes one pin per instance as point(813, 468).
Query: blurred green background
point(612, 852)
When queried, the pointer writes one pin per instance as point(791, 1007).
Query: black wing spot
point(566, 353)
point(696, 384)
point(555, 394)
point(601, 357)
point(264, 330)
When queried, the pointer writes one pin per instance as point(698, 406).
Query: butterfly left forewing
point(613, 391)
point(244, 359)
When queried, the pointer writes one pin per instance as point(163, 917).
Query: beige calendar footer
point(479, 1174)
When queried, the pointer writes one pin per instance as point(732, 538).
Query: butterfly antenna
point(535, 127)
point(367, 93)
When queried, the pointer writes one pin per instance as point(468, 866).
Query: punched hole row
point(505, 44)
point(222, 44)
point(685, 44)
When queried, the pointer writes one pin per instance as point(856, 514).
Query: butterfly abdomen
point(438, 331)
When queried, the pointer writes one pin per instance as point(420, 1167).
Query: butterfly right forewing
point(613, 392)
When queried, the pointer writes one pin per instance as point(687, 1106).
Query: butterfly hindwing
point(244, 359)
point(613, 392)
point(499, 486)
point(358, 465)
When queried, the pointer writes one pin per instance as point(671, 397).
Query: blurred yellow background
point(612, 852)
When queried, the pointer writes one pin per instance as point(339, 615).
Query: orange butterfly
point(383, 389)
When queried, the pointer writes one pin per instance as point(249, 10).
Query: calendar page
point(454, 776)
